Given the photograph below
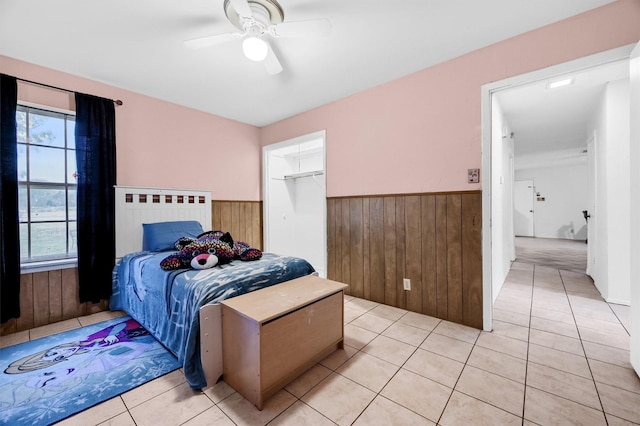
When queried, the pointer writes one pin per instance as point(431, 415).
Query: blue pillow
point(161, 236)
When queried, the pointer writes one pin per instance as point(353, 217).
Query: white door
point(591, 217)
point(523, 193)
point(635, 206)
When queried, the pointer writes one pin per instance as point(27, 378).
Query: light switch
point(473, 175)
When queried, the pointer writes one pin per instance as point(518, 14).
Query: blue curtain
point(10, 241)
point(96, 163)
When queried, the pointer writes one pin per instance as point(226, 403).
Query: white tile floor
point(558, 355)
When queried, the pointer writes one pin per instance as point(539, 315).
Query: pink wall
point(422, 132)
point(160, 144)
point(417, 134)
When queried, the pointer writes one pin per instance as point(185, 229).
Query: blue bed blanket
point(166, 303)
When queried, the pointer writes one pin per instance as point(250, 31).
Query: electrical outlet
point(407, 283)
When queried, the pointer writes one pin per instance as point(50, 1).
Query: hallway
point(570, 255)
point(577, 345)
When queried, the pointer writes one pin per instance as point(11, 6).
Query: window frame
point(29, 263)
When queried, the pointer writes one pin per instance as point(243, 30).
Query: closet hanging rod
point(303, 174)
point(115, 101)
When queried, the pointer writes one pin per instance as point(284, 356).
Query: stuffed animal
point(204, 261)
point(208, 243)
point(208, 250)
point(243, 251)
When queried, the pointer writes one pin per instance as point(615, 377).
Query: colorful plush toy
point(243, 251)
point(208, 250)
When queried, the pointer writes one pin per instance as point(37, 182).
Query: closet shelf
point(303, 175)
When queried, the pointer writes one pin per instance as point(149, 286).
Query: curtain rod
point(116, 101)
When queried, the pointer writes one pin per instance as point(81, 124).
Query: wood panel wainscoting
point(47, 297)
point(52, 296)
point(433, 239)
point(242, 219)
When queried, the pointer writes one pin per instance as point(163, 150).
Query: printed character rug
point(45, 380)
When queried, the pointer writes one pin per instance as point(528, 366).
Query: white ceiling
point(546, 120)
point(138, 45)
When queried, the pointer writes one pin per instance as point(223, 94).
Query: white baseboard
point(618, 301)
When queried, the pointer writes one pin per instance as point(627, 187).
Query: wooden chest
point(271, 336)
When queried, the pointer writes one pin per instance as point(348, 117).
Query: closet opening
point(295, 203)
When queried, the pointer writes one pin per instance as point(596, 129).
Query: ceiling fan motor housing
point(265, 14)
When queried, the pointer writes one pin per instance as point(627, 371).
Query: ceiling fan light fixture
point(255, 48)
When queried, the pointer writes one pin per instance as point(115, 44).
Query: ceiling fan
point(258, 20)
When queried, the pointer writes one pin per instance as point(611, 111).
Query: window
point(46, 184)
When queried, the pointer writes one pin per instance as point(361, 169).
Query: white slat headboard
point(138, 205)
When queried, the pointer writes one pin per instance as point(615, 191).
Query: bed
point(180, 308)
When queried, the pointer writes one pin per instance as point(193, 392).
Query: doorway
point(295, 199)
point(490, 247)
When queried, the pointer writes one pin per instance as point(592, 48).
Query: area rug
point(48, 379)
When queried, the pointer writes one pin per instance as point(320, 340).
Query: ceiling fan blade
point(313, 27)
point(242, 7)
point(272, 63)
point(212, 40)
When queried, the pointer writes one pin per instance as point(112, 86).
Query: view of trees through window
point(46, 184)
